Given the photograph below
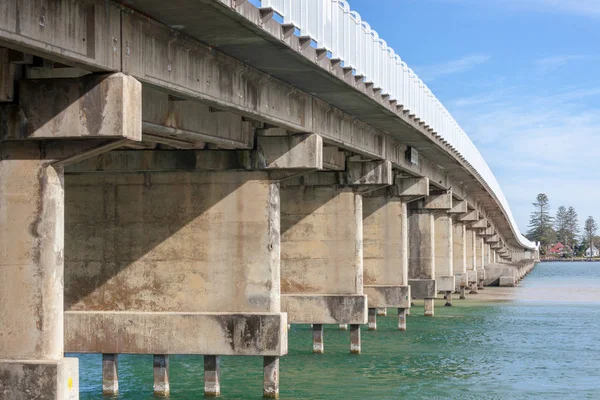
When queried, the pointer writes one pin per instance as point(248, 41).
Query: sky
point(522, 79)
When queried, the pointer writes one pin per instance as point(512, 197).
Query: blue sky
point(522, 79)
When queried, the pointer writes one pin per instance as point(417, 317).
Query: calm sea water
point(545, 344)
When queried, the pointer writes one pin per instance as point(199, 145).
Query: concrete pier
point(372, 322)
point(421, 259)
point(212, 376)
point(162, 387)
point(402, 313)
point(322, 244)
point(385, 252)
point(128, 232)
point(110, 374)
point(317, 335)
point(355, 345)
point(32, 364)
point(423, 244)
point(444, 254)
point(271, 377)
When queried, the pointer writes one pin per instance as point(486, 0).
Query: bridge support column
point(318, 345)
point(444, 257)
point(385, 252)
point(271, 377)
point(212, 376)
point(32, 362)
point(322, 244)
point(471, 238)
point(355, 345)
point(480, 260)
point(145, 214)
point(421, 258)
point(110, 374)
point(459, 253)
point(162, 387)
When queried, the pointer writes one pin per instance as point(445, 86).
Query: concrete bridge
point(191, 176)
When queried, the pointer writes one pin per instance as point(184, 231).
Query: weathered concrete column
point(443, 243)
point(480, 260)
point(355, 345)
point(372, 319)
point(322, 244)
point(212, 376)
point(110, 374)
point(385, 252)
point(271, 377)
point(421, 255)
point(459, 253)
point(402, 313)
point(31, 218)
point(162, 387)
point(459, 249)
point(471, 259)
point(317, 335)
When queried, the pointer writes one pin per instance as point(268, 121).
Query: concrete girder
point(441, 201)
point(297, 153)
point(459, 208)
point(480, 224)
point(488, 233)
point(411, 189)
point(471, 216)
point(90, 107)
point(362, 175)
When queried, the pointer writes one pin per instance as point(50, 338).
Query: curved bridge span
point(191, 176)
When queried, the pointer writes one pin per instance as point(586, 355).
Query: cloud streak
point(460, 65)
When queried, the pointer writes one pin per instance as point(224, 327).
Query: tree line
point(563, 227)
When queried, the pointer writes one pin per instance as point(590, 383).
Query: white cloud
point(431, 72)
point(538, 144)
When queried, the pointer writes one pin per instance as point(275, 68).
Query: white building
point(592, 252)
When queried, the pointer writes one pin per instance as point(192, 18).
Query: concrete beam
point(299, 152)
point(489, 232)
point(325, 309)
point(125, 332)
point(334, 159)
point(460, 207)
point(93, 106)
point(410, 189)
point(493, 239)
point(481, 224)
point(363, 176)
point(439, 201)
point(369, 173)
point(302, 151)
point(174, 118)
point(471, 216)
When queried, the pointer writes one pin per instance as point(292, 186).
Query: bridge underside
point(155, 186)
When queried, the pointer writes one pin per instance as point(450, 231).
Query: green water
point(545, 344)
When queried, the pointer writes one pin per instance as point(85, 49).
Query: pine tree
point(561, 225)
point(590, 229)
point(540, 223)
point(572, 227)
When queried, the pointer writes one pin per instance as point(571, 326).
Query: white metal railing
point(342, 32)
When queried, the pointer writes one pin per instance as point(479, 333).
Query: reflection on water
point(543, 345)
